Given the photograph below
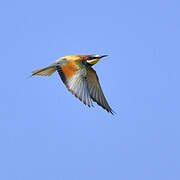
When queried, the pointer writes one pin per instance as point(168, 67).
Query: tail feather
point(44, 71)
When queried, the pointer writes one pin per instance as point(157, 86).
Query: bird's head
point(93, 59)
point(87, 59)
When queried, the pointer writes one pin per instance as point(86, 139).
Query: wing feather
point(95, 90)
point(77, 85)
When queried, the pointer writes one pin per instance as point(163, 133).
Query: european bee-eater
point(79, 77)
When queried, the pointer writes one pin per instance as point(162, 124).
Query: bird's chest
point(71, 68)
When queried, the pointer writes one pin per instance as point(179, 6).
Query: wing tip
point(112, 112)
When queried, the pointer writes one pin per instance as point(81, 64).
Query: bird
point(79, 77)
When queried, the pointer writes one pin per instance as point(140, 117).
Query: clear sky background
point(46, 133)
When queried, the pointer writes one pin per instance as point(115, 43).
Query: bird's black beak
point(103, 56)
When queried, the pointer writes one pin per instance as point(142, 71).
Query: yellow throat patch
point(93, 61)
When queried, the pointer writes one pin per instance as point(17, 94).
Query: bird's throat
point(93, 61)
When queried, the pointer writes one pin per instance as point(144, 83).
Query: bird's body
point(79, 77)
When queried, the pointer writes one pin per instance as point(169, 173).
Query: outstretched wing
point(74, 79)
point(95, 90)
point(44, 71)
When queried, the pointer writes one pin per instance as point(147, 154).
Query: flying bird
point(80, 78)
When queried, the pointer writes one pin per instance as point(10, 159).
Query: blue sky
point(45, 133)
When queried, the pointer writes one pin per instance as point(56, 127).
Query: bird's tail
point(44, 71)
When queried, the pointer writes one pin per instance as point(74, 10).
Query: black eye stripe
point(91, 58)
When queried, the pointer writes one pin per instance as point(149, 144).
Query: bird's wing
point(74, 79)
point(45, 71)
point(95, 90)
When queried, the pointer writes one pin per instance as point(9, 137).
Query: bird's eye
point(90, 58)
